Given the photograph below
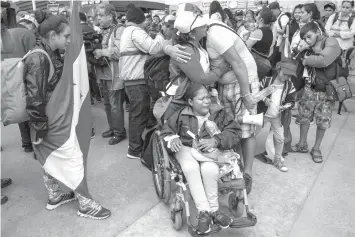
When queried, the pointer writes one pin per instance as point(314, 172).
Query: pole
point(34, 5)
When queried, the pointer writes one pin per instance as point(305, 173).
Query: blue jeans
point(139, 113)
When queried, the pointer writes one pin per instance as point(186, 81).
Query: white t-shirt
point(273, 111)
point(219, 40)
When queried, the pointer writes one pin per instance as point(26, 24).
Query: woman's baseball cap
point(29, 18)
point(188, 17)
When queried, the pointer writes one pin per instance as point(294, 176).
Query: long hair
point(216, 7)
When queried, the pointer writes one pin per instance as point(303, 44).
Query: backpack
point(279, 21)
point(13, 90)
point(350, 20)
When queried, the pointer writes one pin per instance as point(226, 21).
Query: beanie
point(134, 14)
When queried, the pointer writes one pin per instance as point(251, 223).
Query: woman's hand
point(267, 102)
point(249, 102)
point(175, 144)
point(206, 144)
point(177, 53)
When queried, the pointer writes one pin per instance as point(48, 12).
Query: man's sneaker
point(115, 140)
point(204, 222)
point(28, 149)
point(133, 157)
point(64, 198)
point(4, 199)
point(221, 219)
point(107, 134)
point(5, 182)
point(94, 211)
point(279, 164)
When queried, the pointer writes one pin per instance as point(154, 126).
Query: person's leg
point(117, 114)
point(56, 197)
point(191, 170)
point(139, 109)
point(278, 143)
point(105, 93)
point(25, 136)
point(286, 117)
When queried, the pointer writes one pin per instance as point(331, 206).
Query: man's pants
point(286, 117)
point(25, 134)
point(113, 101)
point(139, 114)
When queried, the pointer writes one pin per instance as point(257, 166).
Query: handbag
point(339, 88)
point(262, 62)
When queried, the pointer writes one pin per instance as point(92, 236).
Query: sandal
point(316, 156)
point(299, 148)
point(248, 182)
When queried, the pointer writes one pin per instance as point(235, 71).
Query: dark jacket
point(184, 120)
point(288, 93)
point(39, 87)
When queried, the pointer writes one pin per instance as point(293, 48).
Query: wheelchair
point(166, 171)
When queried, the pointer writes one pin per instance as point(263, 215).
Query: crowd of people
point(237, 53)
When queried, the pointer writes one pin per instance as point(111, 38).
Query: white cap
point(188, 17)
point(31, 19)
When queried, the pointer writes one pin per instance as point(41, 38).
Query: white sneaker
point(132, 157)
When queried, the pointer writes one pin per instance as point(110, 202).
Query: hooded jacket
point(184, 120)
point(39, 87)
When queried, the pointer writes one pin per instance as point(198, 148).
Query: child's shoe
point(279, 164)
point(204, 223)
point(221, 219)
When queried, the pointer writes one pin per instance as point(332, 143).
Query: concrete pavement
point(284, 203)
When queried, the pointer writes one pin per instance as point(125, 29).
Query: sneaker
point(108, 134)
point(133, 156)
point(115, 140)
point(248, 182)
point(64, 198)
point(221, 219)
point(279, 164)
point(28, 149)
point(5, 182)
point(204, 222)
point(4, 199)
point(94, 211)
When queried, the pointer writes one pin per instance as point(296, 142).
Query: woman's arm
point(193, 70)
point(348, 34)
point(36, 78)
point(254, 37)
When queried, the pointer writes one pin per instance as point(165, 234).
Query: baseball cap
point(274, 5)
point(239, 13)
point(189, 17)
point(331, 5)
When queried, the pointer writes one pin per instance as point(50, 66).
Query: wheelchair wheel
point(236, 205)
point(161, 176)
point(176, 214)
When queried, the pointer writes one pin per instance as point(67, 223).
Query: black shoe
point(204, 222)
point(28, 149)
point(221, 219)
point(5, 182)
point(115, 140)
point(64, 198)
point(4, 199)
point(108, 134)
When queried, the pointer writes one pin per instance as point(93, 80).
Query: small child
point(281, 99)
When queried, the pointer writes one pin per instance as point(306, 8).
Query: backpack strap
point(336, 17)
point(217, 24)
point(279, 21)
point(51, 67)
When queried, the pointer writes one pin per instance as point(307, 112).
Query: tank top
point(263, 46)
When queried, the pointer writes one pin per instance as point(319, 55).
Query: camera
point(92, 41)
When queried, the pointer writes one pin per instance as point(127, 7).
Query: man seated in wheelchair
point(201, 136)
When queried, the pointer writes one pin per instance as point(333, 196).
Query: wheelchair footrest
point(193, 232)
point(233, 184)
point(249, 220)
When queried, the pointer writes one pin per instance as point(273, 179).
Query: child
point(281, 99)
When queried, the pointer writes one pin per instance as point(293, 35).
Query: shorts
point(229, 95)
point(315, 105)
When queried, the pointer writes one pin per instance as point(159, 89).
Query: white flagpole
point(34, 5)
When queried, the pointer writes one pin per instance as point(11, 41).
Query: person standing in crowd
point(111, 87)
point(24, 40)
point(329, 9)
point(231, 22)
point(342, 25)
point(295, 21)
point(148, 22)
point(316, 103)
point(135, 46)
point(236, 86)
point(54, 35)
point(250, 16)
point(261, 39)
point(239, 18)
point(155, 27)
point(279, 30)
point(93, 24)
